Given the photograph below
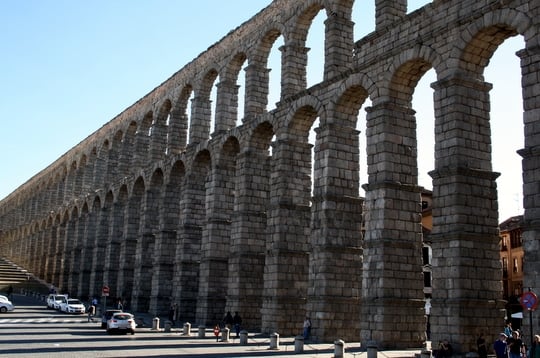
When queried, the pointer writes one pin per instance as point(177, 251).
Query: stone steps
point(19, 278)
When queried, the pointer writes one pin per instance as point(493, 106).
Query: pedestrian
point(500, 346)
point(515, 345)
point(10, 292)
point(172, 313)
point(307, 328)
point(237, 322)
point(508, 329)
point(119, 305)
point(228, 320)
point(535, 348)
point(91, 312)
point(481, 346)
point(444, 349)
point(216, 332)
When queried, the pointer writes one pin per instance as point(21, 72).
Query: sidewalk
point(259, 345)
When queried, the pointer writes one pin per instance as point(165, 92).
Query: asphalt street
point(32, 330)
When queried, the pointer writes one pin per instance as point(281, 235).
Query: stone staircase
point(20, 279)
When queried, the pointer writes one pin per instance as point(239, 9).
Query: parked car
point(107, 316)
point(72, 305)
point(54, 300)
point(6, 305)
point(121, 322)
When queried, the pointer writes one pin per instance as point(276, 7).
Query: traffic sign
point(529, 301)
point(105, 291)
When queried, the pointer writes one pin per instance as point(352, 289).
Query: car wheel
point(3, 309)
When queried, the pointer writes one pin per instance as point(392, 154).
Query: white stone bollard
point(243, 337)
point(274, 341)
point(339, 348)
point(187, 329)
point(225, 334)
point(201, 332)
point(371, 349)
point(155, 324)
point(167, 326)
point(298, 344)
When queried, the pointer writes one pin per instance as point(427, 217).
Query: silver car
point(6, 306)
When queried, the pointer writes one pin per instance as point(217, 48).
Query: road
point(32, 330)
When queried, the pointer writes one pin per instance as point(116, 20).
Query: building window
point(515, 269)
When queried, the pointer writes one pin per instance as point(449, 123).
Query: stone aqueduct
point(161, 207)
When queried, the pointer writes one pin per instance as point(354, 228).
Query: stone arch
point(117, 238)
point(303, 114)
point(482, 37)
point(158, 136)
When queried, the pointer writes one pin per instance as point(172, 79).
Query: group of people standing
point(510, 345)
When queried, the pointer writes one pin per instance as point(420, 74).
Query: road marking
point(40, 320)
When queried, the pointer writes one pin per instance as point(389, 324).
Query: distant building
point(511, 243)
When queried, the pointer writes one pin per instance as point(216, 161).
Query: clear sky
point(70, 66)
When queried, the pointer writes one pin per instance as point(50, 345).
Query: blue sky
point(69, 66)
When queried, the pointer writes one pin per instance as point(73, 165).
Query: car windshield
point(58, 298)
point(74, 302)
point(123, 316)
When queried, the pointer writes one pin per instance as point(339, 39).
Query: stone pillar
point(465, 242)
point(215, 246)
point(177, 129)
point(163, 266)
point(286, 265)
point(248, 233)
point(144, 256)
point(51, 251)
point(256, 92)
point(78, 242)
point(293, 68)
point(59, 254)
point(88, 243)
point(201, 113)
point(188, 249)
point(98, 252)
point(339, 43)
point(69, 241)
point(335, 263)
point(158, 140)
point(227, 105)
point(389, 11)
point(115, 237)
point(392, 285)
point(128, 246)
point(530, 70)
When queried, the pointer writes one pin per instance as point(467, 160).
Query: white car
point(54, 301)
point(3, 298)
point(72, 305)
point(5, 306)
point(121, 322)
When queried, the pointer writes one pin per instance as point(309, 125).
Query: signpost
point(105, 293)
point(529, 301)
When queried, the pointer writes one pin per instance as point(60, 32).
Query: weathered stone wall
point(225, 218)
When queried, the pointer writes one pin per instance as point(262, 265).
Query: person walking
point(515, 345)
point(91, 312)
point(228, 320)
point(500, 346)
point(481, 346)
point(237, 322)
point(307, 328)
